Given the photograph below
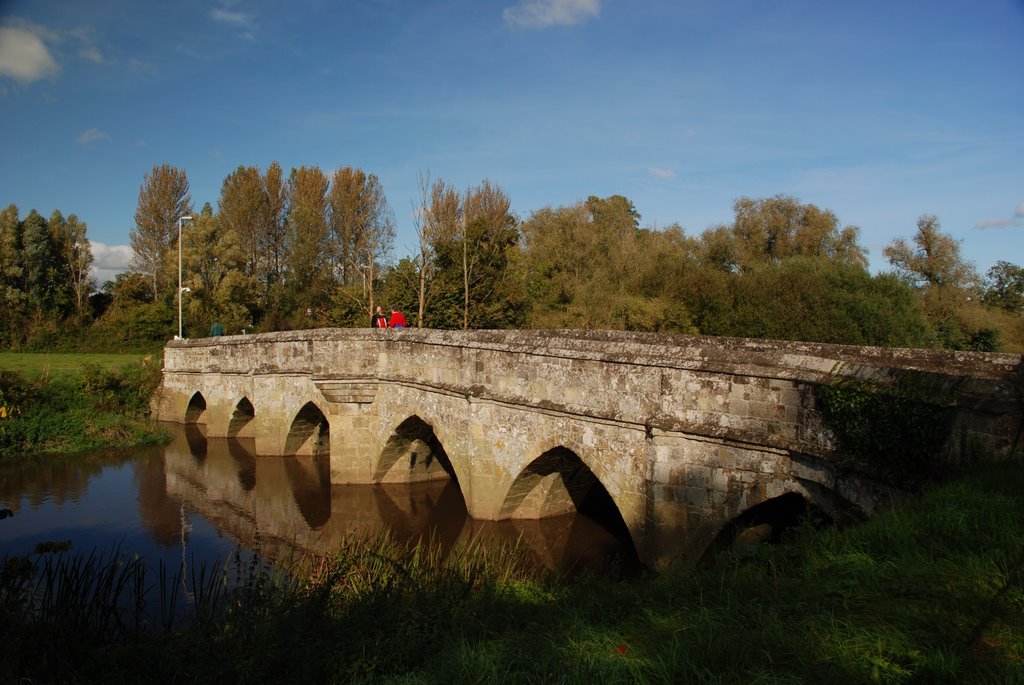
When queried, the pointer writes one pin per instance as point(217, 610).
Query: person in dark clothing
point(379, 320)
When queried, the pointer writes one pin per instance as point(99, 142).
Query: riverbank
point(931, 592)
point(68, 403)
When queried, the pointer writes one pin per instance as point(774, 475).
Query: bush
point(101, 408)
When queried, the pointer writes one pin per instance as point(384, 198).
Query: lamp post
point(181, 219)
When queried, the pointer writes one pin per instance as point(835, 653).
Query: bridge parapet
point(754, 391)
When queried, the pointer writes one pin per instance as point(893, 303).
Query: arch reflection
point(280, 505)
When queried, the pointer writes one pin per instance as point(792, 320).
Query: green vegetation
point(41, 365)
point(307, 249)
point(894, 431)
point(930, 592)
point(48, 409)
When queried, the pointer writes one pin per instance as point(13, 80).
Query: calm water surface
point(203, 500)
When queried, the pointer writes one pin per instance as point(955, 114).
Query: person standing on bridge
point(397, 318)
point(379, 320)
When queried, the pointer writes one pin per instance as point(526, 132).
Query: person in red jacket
point(397, 318)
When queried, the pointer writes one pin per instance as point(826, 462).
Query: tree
point(215, 266)
point(11, 249)
point(592, 266)
point(12, 281)
point(438, 220)
point(252, 208)
point(935, 262)
point(1005, 287)
point(46, 278)
point(362, 229)
point(163, 199)
point(308, 242)
point(478, 279)
point(242, 210)
point(616, 214)
point(273, 229)
point(488, 232)
point(776, 228)
point(76, 252)
point(947, 284)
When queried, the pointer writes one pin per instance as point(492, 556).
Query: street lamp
point(180, 290)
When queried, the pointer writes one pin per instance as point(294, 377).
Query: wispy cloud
point(93, 135)
point(236, 19)
point(1011, 222)
point(91, 54)
point(24, 56)
point(659, 172)
point(540, 14)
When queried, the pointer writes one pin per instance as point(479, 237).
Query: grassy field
point(73, 402)
point(44, 365)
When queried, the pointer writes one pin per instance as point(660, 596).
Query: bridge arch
point(768, 517)
point(241, 420)
point(196, 408)
point(413, 453)
point(310, 432)
point(559, 482)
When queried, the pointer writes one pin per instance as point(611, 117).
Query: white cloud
point(1020, 210)
point(659, 172)
point(539, 14)
point(109, 260)
point(93, 135)
point(23, 55)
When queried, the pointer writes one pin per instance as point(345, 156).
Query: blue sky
point(880, 111)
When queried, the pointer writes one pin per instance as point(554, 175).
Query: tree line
point(313, 249)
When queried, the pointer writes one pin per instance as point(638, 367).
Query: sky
point(881, 111)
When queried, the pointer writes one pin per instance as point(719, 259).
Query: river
point(202, 501)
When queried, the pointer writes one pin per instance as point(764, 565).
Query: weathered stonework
point(684, 433)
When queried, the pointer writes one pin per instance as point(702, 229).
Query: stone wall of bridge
point(683, 433)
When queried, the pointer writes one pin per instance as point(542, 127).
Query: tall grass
point(930, 593)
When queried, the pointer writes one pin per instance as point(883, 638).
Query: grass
point(47, 365)
point(94, 407)
point(932, 592)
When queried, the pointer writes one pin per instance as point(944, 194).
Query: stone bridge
point(672, 438)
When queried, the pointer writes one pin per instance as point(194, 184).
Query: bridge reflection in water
point(282, 505)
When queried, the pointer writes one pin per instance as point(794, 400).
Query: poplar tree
point(308, 236)
point(12, 294)
point(76, 253)
point(163, 198)
point(241, 210)
point(273, 231)
point(45, 270)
